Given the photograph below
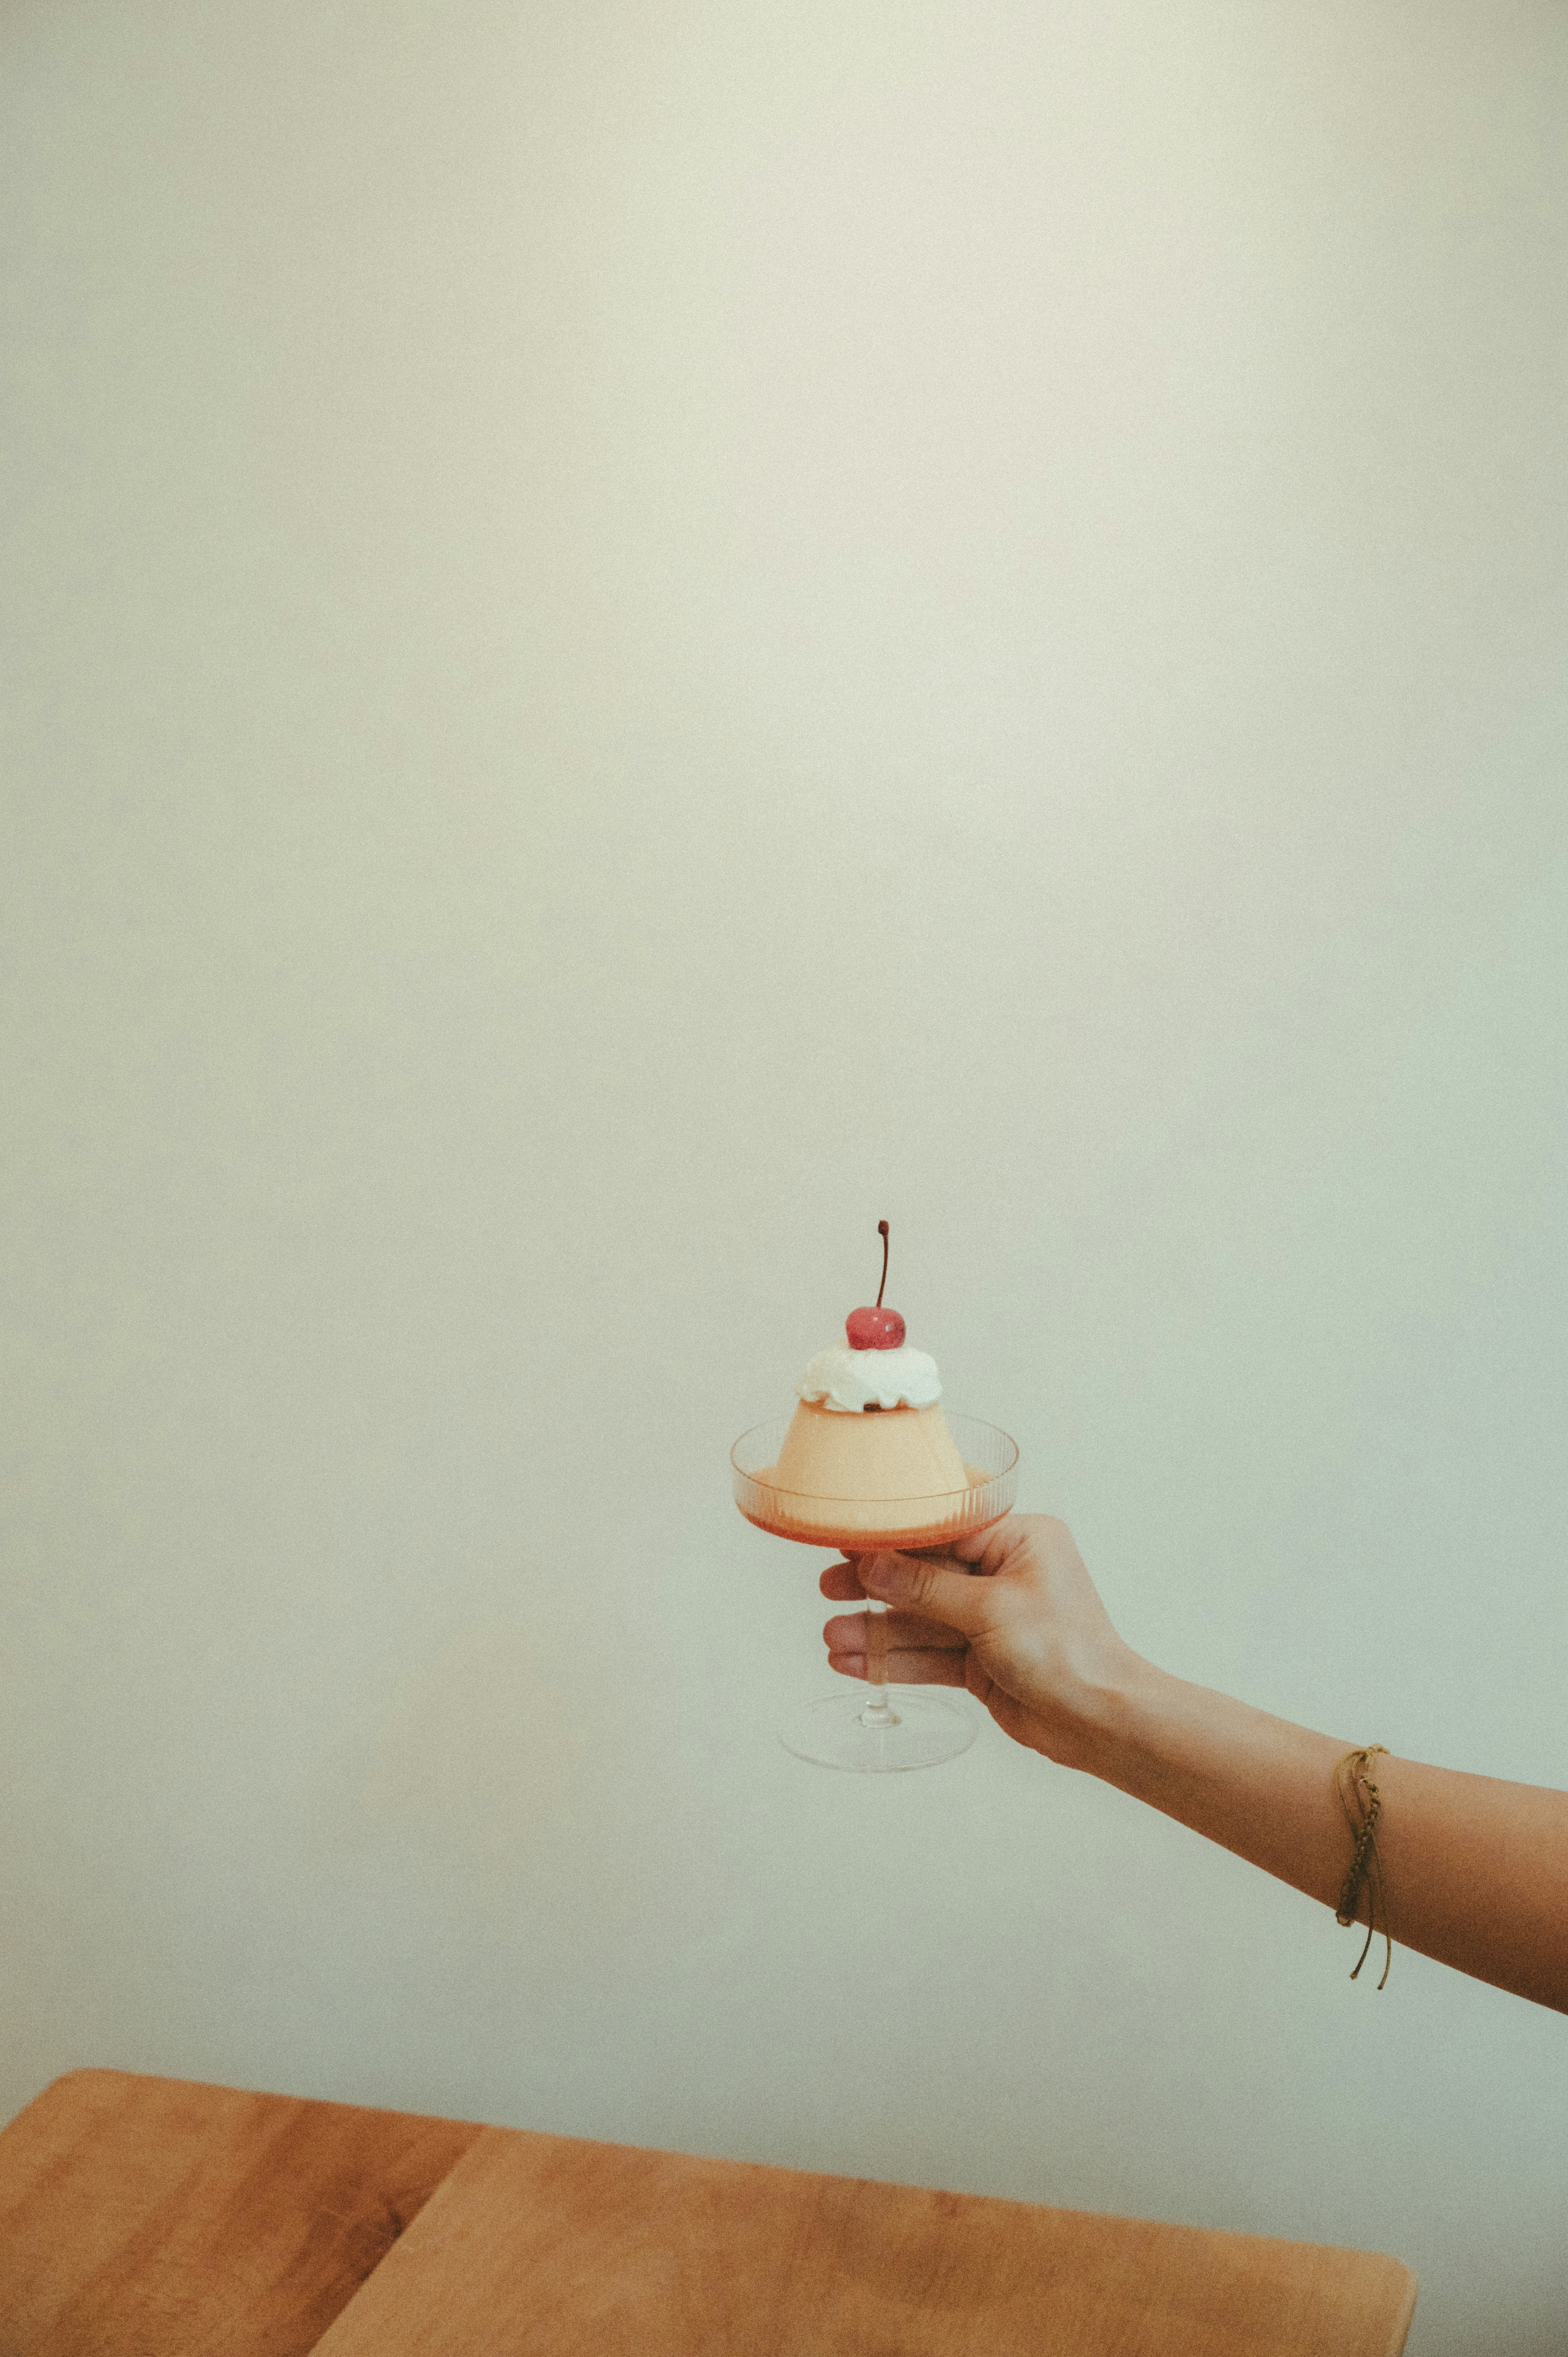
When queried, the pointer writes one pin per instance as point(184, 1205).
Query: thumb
point(940, 1588)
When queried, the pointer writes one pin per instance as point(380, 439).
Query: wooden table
point(154, 2217)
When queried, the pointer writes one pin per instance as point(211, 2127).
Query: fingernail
point(885, 1575)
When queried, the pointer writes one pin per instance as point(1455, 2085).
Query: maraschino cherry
point(877, 1329)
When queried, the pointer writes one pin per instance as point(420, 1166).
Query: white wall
point(638, 635)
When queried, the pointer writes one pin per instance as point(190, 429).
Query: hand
point(1010, 1613)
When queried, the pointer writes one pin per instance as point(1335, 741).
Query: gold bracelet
point(1362, 1804)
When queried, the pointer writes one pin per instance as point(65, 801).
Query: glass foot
point(921, 1730)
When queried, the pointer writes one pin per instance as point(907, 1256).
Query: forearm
point(1475, 1872)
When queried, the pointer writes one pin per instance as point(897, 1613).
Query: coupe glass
point(888, 1727)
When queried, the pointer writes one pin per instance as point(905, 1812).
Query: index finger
point(841, 1581)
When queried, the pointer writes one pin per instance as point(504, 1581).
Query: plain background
point(638, 635)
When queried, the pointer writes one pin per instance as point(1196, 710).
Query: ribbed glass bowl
point(867, 1527)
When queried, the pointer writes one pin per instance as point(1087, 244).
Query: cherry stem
point(882, 1232)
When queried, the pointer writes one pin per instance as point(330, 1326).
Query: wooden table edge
point(1399, 2277)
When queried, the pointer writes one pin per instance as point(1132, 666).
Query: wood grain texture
point(547, 2246)
point(144, 2217)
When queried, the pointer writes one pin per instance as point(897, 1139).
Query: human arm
point(1475, 1870)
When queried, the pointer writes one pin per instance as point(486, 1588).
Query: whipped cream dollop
point(854, 1380)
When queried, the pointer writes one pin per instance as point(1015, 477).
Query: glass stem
point(877, 1711)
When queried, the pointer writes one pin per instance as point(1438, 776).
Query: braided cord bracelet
point(1362, 1804)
